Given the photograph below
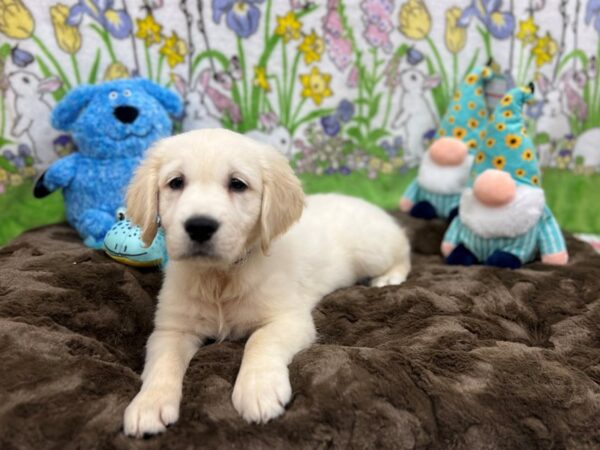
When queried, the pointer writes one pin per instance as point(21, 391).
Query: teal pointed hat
point(506, 145)
point(467, 113)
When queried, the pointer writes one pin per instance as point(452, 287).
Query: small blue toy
point(112, 125)
point(123, 243)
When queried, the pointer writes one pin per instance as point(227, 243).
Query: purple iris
point(414, 56)
point(345, 110)
point(116, 21)
point(21, 58)
point(331, 125)
point(392, 147)
point(17, 161)
point(592, 11)
point(241, 16)
point(500, 24)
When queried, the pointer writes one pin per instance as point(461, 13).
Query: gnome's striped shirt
point(443, 203)
point(545, 236)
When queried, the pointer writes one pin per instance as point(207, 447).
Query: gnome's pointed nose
point(495, 188)
point(448, 151)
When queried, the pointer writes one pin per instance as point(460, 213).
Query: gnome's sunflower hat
point(505, 144)
point(467, 113)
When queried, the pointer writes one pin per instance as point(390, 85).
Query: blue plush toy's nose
point(126, 114)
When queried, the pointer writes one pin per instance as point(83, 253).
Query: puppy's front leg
point(262, 388)
point(157, 404)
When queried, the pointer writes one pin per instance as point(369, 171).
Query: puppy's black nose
point(126, 114)
point(201, 228)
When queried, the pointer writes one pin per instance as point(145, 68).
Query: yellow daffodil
point(68, 37)
point(312, 48)
point(544, 50)
point(260, 79)
point(15, 19)
point(316, 85)
point(149, 30)
point(527, 31)
point(115, 71)
point(288, 27)
point(174, 49)
point(455, 36)
point(415, 20)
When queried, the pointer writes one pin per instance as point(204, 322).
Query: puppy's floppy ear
point(282, 199)
point(142, 196)
point(167, 98)
point(69, 108)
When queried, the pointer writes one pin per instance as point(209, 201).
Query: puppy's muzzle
point(201, 228)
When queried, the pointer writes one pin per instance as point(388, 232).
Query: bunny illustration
point(415, 116)
point(274, 134)
point(216, 87)
point(32, 111)
point(554, 120)
point(197, 115)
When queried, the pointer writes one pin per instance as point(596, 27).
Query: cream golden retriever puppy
point(249, 255)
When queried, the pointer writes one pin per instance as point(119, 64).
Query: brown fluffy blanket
point(455, 358)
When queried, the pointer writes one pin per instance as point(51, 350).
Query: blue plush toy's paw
point(423, 210)
point(452, 215)
point(93, 226)
point(461, 256)
point(92, 242)
point(40, 190)
point(504, 260)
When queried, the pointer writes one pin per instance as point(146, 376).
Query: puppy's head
point(218, 195)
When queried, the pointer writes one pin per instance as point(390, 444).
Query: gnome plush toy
point(503, 219)
point(444, 170)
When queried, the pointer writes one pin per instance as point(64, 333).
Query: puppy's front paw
point(151, 412)
point(260, 395)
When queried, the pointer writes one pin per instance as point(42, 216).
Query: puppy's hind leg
point(399, 269)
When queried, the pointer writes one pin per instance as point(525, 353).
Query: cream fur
point(444, 179)
point(306, 253)
point(510, 220)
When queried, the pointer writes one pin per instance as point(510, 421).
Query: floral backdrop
point(325, 80)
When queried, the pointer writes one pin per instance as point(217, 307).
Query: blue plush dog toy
point(112, 125)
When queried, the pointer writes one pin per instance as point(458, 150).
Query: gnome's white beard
point(444, 179)
point(511, 220)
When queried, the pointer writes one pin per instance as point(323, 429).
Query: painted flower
point(345, 110)
point(20, 58)
point(592, 12)
point(3, 175)
point(499, 162)
point(544, 50)
point(316, 85)
point(499, 24)
point(260, 79)
point(16, 179)
point(392, 147)
point(331, 126)
point(312, 48)
point(414, 56)
point(352, 80)
point(64, 145)
point(174, 50)
point(455, 36)
point(527, 33)
point(116, 21)
point(68, 37)
point(241, 16)
point(288, 27)
point(415, 20)
point(116, 71)
point(15, 19)
point(149, 30)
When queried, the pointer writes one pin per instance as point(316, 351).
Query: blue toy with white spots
point(123, 243)
point(112, 125)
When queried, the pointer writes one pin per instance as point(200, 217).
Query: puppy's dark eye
point(176, 183)
point(237, 185)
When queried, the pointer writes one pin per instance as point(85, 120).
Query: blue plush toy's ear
point(167, 98)
point(65, 113)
